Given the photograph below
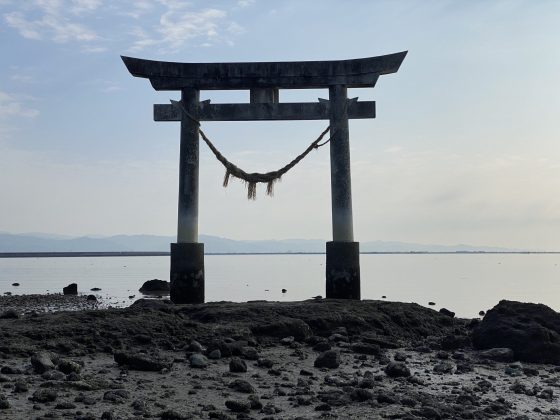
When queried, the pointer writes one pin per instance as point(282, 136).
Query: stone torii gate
point(263, 80)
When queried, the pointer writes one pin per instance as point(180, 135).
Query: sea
point(463, 283)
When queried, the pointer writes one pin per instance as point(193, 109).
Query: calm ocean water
point(464, 283)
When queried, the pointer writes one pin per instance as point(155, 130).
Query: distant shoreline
point(164, 254)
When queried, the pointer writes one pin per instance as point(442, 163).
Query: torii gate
point(264, 79)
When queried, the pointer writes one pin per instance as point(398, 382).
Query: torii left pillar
point(187, 255)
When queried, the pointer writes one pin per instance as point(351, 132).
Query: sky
point(465, 147)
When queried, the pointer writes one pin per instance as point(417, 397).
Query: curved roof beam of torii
point(356, 73)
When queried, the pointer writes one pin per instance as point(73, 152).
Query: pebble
point(198, 361)
point(397, 369)
point(329, 359)
point(236, 365)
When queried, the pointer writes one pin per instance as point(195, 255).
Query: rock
point(195, 347)
point(498, 354)
point(236, 365)
point(116, 396)
point(53, 375)
point(215, 354)
point(444, 367)
point(44, 395)
point(255, 402)
point(285, 327)
point(264, 363)
point(531, 330)
point(155, 285)
point(141, 361)
point(71, 289)
point(241, 385)
point(397, 369)
point(91, 298)
point(9, 314)
point(400, 356)
point(198, 361)
point(238, 406)
point(21, 386)
point(329, 359)
point(65, 406)
point(15, 284)
point(4, 404)
point(249, 353)
point(68, 366)
point(95, 289)
point(447, 312)
point(366, 348)
point(42, 361)
point(431, 303)
point(360, 395)
point(284, 290)
point(482, 313)
point(173, 415)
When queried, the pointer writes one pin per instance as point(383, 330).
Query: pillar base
point(187, 273)
point(343, 270)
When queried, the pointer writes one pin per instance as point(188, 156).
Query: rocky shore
point(271, 360)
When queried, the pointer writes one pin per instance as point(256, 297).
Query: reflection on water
point(464, 283)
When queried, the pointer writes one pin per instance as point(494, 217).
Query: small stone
point(198, 361)
point(400, 356)
point(91, 298)
point(116, 396)
point(284, 290)
point(329, 359)
point(255, 402)
point(69, 366)
point(238, 406)
point(42, 361)
point(397, 369)
point(21, 386)
point(71, 289)
point(249, 353)
point(44, 395)
point(264, 363)
point(4, 404)
point(241, 385)
point(236, 365)
point(444, 367)
point(65, 406)
point(482, 313)
point(9, 314)
point(215, 354)
point(195, 347)
point(498, 354)
point(360, 395)
point(431, 303)
point(15, 284)
point(447, 312)
point(95, 289)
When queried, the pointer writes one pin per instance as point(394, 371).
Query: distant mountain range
point(40, 242)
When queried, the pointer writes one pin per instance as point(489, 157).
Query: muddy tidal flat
point(270, 360)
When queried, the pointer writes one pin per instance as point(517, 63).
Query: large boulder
point(531, 330)
point(155, 286)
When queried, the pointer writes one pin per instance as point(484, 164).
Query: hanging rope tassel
point(251, 179)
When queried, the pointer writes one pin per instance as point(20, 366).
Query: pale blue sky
point(465, 146)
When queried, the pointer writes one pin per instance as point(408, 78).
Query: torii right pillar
point(343, 254)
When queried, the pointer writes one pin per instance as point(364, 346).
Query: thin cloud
point(179, 25)
point(54, 22)
point(12, 106)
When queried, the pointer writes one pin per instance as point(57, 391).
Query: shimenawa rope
point(251, 179)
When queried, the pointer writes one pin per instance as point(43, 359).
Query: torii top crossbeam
point(356, 73)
